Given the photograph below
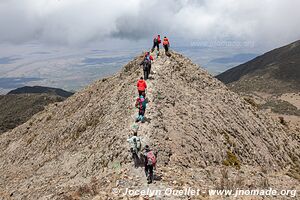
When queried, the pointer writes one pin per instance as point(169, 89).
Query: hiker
point(135, 147)
point(141, 86)
point(147, 65)
point(150, 162)
point(141, 104)
point(156, 42)
point(166, 44)
point(149, 58)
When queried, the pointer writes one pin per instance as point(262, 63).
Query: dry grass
point(281, 107)
point(251, 102)
point(232, 160)
point(295, 171)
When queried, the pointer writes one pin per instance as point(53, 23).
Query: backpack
point(137, 143)
point(141, 103)
point(151, 158)
point(147, 63)
point(155, 40)
point(147, 58)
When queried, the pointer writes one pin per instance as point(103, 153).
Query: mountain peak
point(193, 121)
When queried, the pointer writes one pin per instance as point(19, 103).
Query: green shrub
point(232, 160)
point(228, 141)
point(281, 107)
point(282, 121)
point(251, 102)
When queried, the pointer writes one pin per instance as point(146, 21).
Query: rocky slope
point(271, 82)
point(276, 72)
point(206, 135)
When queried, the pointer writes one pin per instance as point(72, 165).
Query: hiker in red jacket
point(141, 86)
point(156, 42)
point(166, 44)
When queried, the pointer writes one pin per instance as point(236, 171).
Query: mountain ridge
point(77, 148)
point(16, 109)
point(41, 90)
point(276, 71)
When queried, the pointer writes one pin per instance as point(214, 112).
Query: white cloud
point(82, 21)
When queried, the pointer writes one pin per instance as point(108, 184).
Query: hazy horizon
point(70, 43)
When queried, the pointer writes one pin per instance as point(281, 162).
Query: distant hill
point(16, 109)
point(21, 104)
point(41, 90)
point(275, 72)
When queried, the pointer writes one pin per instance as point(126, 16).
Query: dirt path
point(144, 130)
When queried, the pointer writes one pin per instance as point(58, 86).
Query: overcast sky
point(81, 22)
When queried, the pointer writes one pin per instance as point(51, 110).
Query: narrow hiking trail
point(145, 132)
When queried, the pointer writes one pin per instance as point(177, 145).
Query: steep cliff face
point(78, 148)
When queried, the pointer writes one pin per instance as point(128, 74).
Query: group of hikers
point(148, 158)
point(157, 41)
point(146, 63)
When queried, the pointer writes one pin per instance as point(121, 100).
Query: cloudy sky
point(79, 22)
point(70, 43)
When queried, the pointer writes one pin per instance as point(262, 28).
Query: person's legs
point(153, 47)
point(140, 92)
point(146, 170)
point(149, 71)
point(145, 74)
point(135, 159)
point(151, 172)
point(166, 48)
point(142, 118)
point(142, 114)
